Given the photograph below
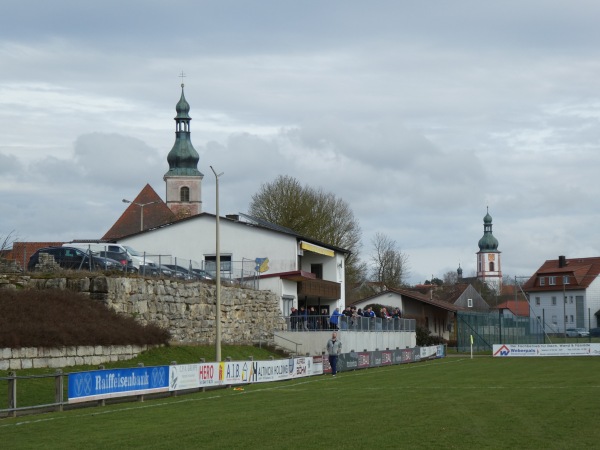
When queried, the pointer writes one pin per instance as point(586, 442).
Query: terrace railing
point(323, 323)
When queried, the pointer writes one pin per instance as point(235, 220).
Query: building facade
point(301, 271)
point(565, 293)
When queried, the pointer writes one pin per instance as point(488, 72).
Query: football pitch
point(454, 402)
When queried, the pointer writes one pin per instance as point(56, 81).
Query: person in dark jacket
point(304, 318)
point(294, 318)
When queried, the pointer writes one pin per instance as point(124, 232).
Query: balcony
point(325, 290)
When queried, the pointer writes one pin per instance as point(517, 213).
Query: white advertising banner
point(193, 376)
point(516, 350)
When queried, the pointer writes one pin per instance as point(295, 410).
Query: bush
point(56, 318)
point(424, 338)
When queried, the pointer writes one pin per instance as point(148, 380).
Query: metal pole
point(564, 308)
point(142, 217)
point(218, 271)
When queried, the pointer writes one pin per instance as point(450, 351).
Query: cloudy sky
point(418, 114)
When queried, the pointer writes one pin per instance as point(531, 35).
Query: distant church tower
point(184, 180)
point(489, 267)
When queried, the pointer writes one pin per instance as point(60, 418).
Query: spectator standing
point(312, 318)
point(354, 318)
point(304, 318)
point(334, 348)
point(335, 319)
point(294, 318)
point(324, 319)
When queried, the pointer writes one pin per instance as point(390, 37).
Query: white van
point(136, 257)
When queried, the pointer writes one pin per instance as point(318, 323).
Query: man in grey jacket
point(334, 348)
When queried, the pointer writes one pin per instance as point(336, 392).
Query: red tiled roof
point(518, 308)
point(581, 272)
point(155, 215)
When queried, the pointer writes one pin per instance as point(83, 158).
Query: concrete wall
point(315, 342)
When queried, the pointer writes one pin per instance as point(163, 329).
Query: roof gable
point(581, 271)
point(413, 295)
point(156, 213)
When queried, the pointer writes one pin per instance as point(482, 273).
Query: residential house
point(565, 293)
point(436, 315)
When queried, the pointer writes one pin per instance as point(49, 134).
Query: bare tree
point(450, 278)
point(390, 265)
point(6, 243)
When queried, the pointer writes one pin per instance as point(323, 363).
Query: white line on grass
point(325, 378)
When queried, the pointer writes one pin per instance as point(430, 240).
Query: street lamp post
point(218, 271)
point(141, 205)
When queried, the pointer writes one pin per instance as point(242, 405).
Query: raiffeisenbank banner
point(193, 376)
point(102, 384)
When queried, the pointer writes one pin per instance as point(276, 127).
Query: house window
point(552, 281)
point(566, 279)
point(210, 263)
point(571, 318)
point(317, 269)
point(571, 299)
point(184, 194)
point(553, 301)
point(566, 319)
point(542, 281)
point(470, 302)
point(554, 320)
point(537, 301)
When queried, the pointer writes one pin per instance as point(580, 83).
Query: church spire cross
point(182, 76)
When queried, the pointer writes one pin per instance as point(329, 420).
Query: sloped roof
point(415, 296)
point(518, 308)
point(231, 218)
point(155, 215)
point(581, 271)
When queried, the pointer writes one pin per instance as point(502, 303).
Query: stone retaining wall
point(186, 309)
point(28, 358)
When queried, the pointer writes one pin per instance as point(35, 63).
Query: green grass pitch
point(451, 403)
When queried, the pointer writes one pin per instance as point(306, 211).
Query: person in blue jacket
point(335, 319)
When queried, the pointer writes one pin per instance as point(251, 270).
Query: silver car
point(577, 332)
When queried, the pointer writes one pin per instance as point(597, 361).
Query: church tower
point(489, 267)
point(184, 180)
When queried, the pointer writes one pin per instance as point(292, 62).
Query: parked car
point(123, 258)
point(155, 271)
point(577, 332)
point(180, 272)
point(594, 332)
point(202, 274)
point(74, 258)
point(138, 258)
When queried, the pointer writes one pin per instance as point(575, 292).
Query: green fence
point(492, 328)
